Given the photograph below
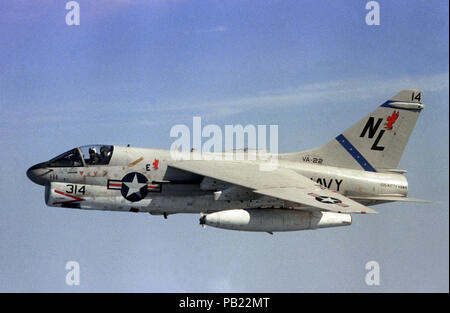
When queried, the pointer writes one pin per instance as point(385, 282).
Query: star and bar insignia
point(328, 200)
point(133, 186)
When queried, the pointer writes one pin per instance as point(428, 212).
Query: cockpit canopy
point(85, 155)
point(97, 154)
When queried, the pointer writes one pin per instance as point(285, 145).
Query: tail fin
point(376, 142)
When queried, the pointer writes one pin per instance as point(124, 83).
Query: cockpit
point(82, 156)
point(91, 155)
point(97, 154)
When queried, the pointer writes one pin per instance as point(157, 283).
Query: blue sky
point(134, 69)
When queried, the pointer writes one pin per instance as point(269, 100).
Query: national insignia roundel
point(134, 187)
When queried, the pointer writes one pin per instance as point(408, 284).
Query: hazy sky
point(133, 69)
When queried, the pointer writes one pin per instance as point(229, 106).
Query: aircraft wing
point(280, 183)
point(391, 199)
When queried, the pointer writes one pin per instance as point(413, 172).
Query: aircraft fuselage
point(169, 191)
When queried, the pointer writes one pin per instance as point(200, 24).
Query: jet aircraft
point(310, 189)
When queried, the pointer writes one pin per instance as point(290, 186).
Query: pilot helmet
point(104, 150)
point(92, 150)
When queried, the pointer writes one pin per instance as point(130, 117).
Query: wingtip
point(369, 211)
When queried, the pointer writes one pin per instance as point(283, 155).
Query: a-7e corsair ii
point(311, 189)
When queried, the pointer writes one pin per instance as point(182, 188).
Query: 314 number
point(73, 189)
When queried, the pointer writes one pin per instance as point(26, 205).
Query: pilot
point(105, 152)
point(93, 157)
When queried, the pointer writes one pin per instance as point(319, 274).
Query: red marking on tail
point(391, 120)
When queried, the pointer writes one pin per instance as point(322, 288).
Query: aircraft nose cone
point(35, 174)
point(32, 175)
